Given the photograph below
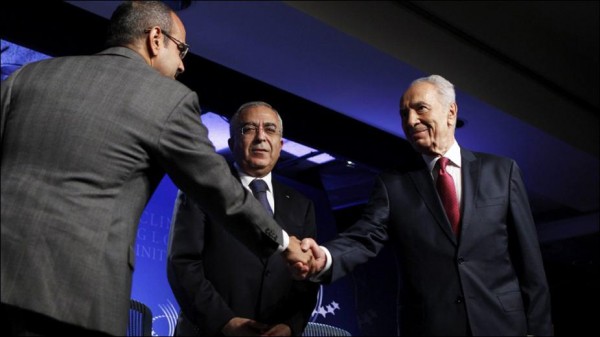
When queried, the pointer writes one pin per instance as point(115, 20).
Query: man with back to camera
point(85, 142)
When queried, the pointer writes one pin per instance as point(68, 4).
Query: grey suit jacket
point(85, 142)
point(490, 281)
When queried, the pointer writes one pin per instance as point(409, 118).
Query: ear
point(452, 113)
point(230, 143)
point(154, 41)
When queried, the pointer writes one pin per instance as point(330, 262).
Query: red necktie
point(447, 192)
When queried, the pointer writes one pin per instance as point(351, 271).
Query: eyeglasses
point(252, 130)
point(182, 47)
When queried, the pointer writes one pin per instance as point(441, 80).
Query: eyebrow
point(256, 124)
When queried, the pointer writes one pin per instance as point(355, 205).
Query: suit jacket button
point(459, 299)
point(461, 260)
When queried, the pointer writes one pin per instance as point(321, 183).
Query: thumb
point(306, 244)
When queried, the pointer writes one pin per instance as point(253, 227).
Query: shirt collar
point(246, 179)
point(453, 154)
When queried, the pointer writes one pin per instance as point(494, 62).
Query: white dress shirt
point(246, 179)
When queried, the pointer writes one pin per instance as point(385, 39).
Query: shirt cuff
point(286, 241)
point(318, 277)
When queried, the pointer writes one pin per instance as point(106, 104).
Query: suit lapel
point(470, 180)
point(424, 184)
point(280, 198)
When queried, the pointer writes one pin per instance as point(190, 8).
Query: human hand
point(296, 256)
point(278, 330)
point(301, 272)
point(319, 256)
point(240, 326)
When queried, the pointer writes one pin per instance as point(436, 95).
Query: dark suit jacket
point(490, 282)
point(215, 278)
point(85, 142)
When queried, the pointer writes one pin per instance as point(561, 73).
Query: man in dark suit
point(485, 276)
point(85, 142)
point(220, 285)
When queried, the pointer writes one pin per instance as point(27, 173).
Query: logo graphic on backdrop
point(323, 310)
point(153, 236)
point(164, 324)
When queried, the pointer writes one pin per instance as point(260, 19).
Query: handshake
point(305, 258)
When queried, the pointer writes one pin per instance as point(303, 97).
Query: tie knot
point(258, 186)
point(443, 162)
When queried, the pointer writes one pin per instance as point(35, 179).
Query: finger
point(257, 325)
point(300, 276)
point(306, 244)
point(298, 267)
point(299, 270)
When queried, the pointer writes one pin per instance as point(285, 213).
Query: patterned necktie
point(447, 192)
point(259, 189)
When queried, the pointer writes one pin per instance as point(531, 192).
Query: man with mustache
point(220, 285)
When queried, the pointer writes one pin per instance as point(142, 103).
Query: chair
point(319, 329)
point(140, 319)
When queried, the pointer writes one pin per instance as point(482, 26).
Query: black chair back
point(140, 319)
point(320, 329)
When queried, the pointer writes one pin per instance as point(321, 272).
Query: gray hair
point(444, 87)
point(234, 122)
point(130, 20)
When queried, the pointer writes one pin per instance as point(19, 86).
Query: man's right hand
point(302, 272)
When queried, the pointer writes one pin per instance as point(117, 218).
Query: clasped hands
point(240, 326)
point(305, 258)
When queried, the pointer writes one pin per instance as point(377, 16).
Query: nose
point(411, 118)
point(180, 67)
point(260, 134)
